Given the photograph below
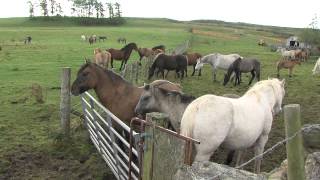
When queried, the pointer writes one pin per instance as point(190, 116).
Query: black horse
point(162, 47)
point(102, 38)
point(166, 62)
point(28, 40)
point(243, 66)
point(122, 40)
point(123, 54)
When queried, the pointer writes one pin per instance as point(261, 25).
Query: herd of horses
point(216, 121)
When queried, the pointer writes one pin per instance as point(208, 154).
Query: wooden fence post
point(65, 100)
point(295, 154)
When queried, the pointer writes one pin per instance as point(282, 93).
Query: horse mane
point(183, 97)
point(261, 84)
point(126, 47)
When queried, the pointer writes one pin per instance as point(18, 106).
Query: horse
point(243, 66)
point(287, 64)
point(83, 38)
point(316, 69)
point(91, 40)
point(162, 47)
point(114, 92)
point(286, 55)
point(217, 61)
point(162, 62)
point(123, 54)
point(145, 52)
point(262, 42)
point(219, 121)
point(192, 61)
point(103, 38)
point(28, 40)
point(122, 40)
point(101, 58)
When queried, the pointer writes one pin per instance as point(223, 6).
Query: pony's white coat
point(316, 69)
point(217, 61)
point(83, 38)
point(235, 124)
point(287, 54)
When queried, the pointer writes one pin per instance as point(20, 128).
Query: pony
point(192, 59)
point(219, 121)
point(91, 40)
point(101, 58)
point(145, 52)
point(173, 103)
point(103, 38)
point(286, 55)
point(287, 64)
point(115, 93)
point(83, 38)
point(123, 54)
point(262, 42)
point(217, 61)
point(28, 40)
point(243, 66)
point(316, 69)
point(162, 47)
point(162, 62)
point(122, 40)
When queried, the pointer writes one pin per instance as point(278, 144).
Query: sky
point(286, 13)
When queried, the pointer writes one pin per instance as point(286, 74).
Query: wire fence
point(269, 150)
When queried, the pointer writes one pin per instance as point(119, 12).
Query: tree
point(44, 7)
point(311, 35)
point(53, 6)
point(117, 7)
point(31, 9)
point(110, 8)
point(59, 10)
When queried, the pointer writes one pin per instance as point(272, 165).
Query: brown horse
point(145, 52)
point(115, 93)
point(162, 47)
point(287, 64)
point(192, 61)
point(123, 54)
point(101, 58)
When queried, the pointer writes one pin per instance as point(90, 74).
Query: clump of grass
point(37, 92)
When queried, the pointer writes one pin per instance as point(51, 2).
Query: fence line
point(270, 149)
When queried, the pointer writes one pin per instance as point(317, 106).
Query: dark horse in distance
point(123, 54)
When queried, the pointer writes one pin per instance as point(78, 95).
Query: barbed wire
point(269, 150)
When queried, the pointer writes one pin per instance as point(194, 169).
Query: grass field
point(31, 145)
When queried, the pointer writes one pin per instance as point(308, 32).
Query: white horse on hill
point(236, 124)
point(316, 69)
point(217, 61)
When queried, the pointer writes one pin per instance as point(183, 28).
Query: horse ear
point(146, 87)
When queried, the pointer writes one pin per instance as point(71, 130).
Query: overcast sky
point(289, 13)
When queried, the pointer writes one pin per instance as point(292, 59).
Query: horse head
point(199, 64)
point(86, 79)
point(148, 101)
point(279, 92)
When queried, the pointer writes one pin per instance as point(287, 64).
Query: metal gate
point(112, 145)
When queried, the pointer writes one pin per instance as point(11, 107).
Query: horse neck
point(263, 96)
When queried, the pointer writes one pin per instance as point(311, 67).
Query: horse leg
point(167, 73)
point(239, 157)
point(252, 77)
point(230, 157)
point(214, 74)
point(182, 74)
point(111, 62)
point(199, 72)
point(290, 72)
point(258, 150)
point(194, 70)
point(186, 69)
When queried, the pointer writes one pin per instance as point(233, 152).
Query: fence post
point(295, 154)
point(65, 100)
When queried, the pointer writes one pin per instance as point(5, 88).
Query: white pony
point(316, 69)
point(83, 38)
point(236, 124)
point(287, 54)
point(217, 61)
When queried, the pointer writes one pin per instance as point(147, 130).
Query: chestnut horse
point(123, 54)
point(101, 58)
point(115, 93)
point(287, 64)
point(192, 61)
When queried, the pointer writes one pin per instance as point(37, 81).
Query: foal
point(287, 64)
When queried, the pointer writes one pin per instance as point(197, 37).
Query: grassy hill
point(31, 145)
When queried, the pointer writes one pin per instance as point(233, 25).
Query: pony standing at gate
point(101, 58)
point(123, 54)
point(220, 121)
point(217, 61)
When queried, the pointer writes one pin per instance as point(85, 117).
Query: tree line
point(85, 12)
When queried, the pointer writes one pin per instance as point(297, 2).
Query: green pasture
point(31, 144)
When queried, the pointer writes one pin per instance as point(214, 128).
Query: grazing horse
point(91, 40)
point(316, 68)
point(114, 92)
point(123, 54)
point(167, 62)
point(286, 55)
point(101, 58)
point(192, 59)
point(103, 38)
point(28, 40)
point(162, 47)
point(243, 66)
point(287, 64)
point(217, 61)
point(219, 121)
point(145, 52)
point(122, 40)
